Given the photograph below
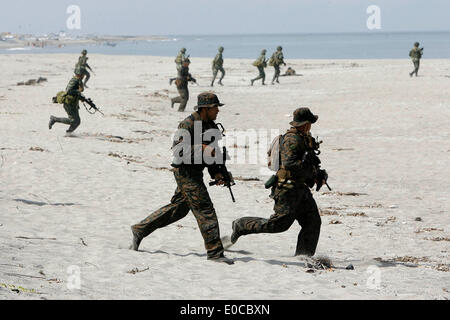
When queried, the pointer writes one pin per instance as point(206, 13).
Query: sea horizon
point(339, 45)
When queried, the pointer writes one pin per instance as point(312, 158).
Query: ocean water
point(377, 45)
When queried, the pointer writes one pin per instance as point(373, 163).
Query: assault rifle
point(91, 104)
point(227, 176)
point(320, 176)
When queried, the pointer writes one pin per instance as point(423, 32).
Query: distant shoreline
point(42, 42)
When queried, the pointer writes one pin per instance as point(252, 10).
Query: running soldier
point(190, 151)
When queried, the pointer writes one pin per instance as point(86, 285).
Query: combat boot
point(251, 81)
point(220, 82)
point(51, 122)
point(136, 241)
point(221, 258)
point(235, 235)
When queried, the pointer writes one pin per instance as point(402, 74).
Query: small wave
point(18, 49)
point(162, 40)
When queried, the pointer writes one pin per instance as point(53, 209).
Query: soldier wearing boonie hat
point(207, 100)
point(191, 193)
point(291, 189)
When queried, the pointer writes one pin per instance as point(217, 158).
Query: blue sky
point(147, 17)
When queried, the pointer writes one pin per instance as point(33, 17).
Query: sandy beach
point(67, 203)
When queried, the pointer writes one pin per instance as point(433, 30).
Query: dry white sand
point(67, 203)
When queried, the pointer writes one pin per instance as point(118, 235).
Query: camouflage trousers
point(182, 99)
point(74, 117)
point(215, 71)
point(290, 205)
point(191, 195)
point(277, 73)
point(86, 74)
point(416, 67)
point(262, 74)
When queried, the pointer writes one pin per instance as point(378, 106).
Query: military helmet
point(207, 100)
point(303, 116)
point(183, 50)
point(220, 49)
point(279, 48)
point(84, 52)
point(416, 44)
point(263, 51)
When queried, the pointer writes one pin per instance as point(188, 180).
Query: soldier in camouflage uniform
point(293, 198)
point(71, 104)
point(416, 55)
point(217, 65)
point(289, 72)
point(191, 193)
point(276, 60)
point(182, 86)
point(83, 66)
point(260, 63)
point(179, 60)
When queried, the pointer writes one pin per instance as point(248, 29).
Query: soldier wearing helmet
point(276, 60)
point(260, 63)
point(416, 55)
point(182, 85)
point(180, 58)
point(71, 103)
point(82, 65)
point(217, 65)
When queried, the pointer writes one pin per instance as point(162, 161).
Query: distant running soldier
point(71, 103)
point(182, 86)
point(190, 159)
point(83, 66)
point(260, 63)
point(299, 170)
point(276, 60)
point(217, 65)
point(416, 55)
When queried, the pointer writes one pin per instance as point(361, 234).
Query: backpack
point(61, 97)
point(273, 154)
point(272, 60)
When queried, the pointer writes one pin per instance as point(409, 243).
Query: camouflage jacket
point(218, 60)
point(183, 78)
point(278, 58)
point(261, 61)
point(82, 62)
point(195, 160)
point(180, 58)
point(292, 148)
point(75, 87)
point(415, 54)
